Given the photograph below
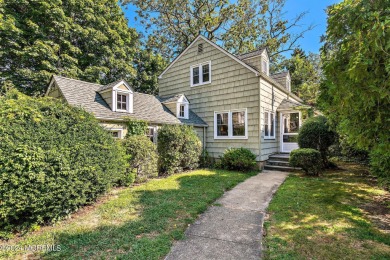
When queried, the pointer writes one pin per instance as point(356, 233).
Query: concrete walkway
point(232, 228)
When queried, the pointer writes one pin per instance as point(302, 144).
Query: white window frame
point(200, 66)
point(154, 133)
point(182, 102)
point(271, 116)
point(230, 124)
point(127, 95)
point(119, 130)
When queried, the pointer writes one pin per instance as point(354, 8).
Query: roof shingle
point(145, 107)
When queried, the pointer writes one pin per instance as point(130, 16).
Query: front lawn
point(340, 215)
point(133, 223)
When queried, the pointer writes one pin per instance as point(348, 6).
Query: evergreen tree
point(85, 39)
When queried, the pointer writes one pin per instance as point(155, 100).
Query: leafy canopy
point(240, 26)
point(89, 40)
point(356, 66)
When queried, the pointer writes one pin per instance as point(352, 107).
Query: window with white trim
point(269, 124)
point(151, 133)
point(231, 124)
point(116, 133)
point(181, 110)
point(201, 74)
point(121, 101)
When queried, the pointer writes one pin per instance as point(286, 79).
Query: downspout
point(259, 118)
point(204, 138)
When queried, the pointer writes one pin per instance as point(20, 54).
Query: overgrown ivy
point(136, 127)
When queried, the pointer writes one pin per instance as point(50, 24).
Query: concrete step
point(277, 162)
point(279, 157)
point(281, 168)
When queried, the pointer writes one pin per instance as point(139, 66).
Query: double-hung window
point(121, 102)
point(182, 111)
point(269, 125)
point(231, 124)
point(201, 74)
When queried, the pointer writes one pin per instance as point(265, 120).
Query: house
point(115, 103)
point(231, 100)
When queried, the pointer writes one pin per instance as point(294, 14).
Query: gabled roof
point(115, 84)
point(146, 107)
point(174, 99)
point(251, 54)
point(214, 45)
point(288, 104)
point(280, 75)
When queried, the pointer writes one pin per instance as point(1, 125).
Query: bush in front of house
point(142, 157)
point(178, 148)
point(238, 159)
point(315, 133)
point(136, 127)
point(308, 159)
point(53, 159)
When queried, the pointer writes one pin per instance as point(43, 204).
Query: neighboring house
point(231, 101)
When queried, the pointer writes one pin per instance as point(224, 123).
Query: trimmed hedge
point(179, 148)
point(53, 159)
point(142, 157)
point(316, 134)
point(240, 159)
point(308, 159)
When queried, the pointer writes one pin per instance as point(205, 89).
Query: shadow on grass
point(163, 213)
point(323, 218)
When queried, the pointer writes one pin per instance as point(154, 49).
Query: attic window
point(200, 48)
point(265, 67)
point(288, 85)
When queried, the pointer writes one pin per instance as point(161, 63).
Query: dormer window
point(182, 111)
point(201, 74)
point(118, 95)
point(121, 102)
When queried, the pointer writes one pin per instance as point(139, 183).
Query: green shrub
point(380, 164)
point(315, 133)
point(344, 151)
point(308, 159)
point(178, 147)
point(136, 127)
point(142, 157)
point(239, 159)
point(53, 159)
point(205, 160)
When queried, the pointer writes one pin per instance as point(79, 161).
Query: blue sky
point(316, 15)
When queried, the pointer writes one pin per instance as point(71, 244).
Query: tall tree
point(356, 65)
point(241, 26)
point(305, 71)
point(86, 39)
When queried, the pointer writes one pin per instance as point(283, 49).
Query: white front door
point(290, 123)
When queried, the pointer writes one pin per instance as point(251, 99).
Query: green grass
point(328, 217)
point(140, 222)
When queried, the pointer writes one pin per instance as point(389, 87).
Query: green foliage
point(240, 26)
point(356, 64)
point(344, 151)
point(205, 160)
point(149, 66)
point(179, 148)
point(380, 164)
point(143, 157)
point(305, 72)
point(240, 159)
point(53, 159)
point(136, 127)
point(308, 159)
point(88, 39)
point(315, 133)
